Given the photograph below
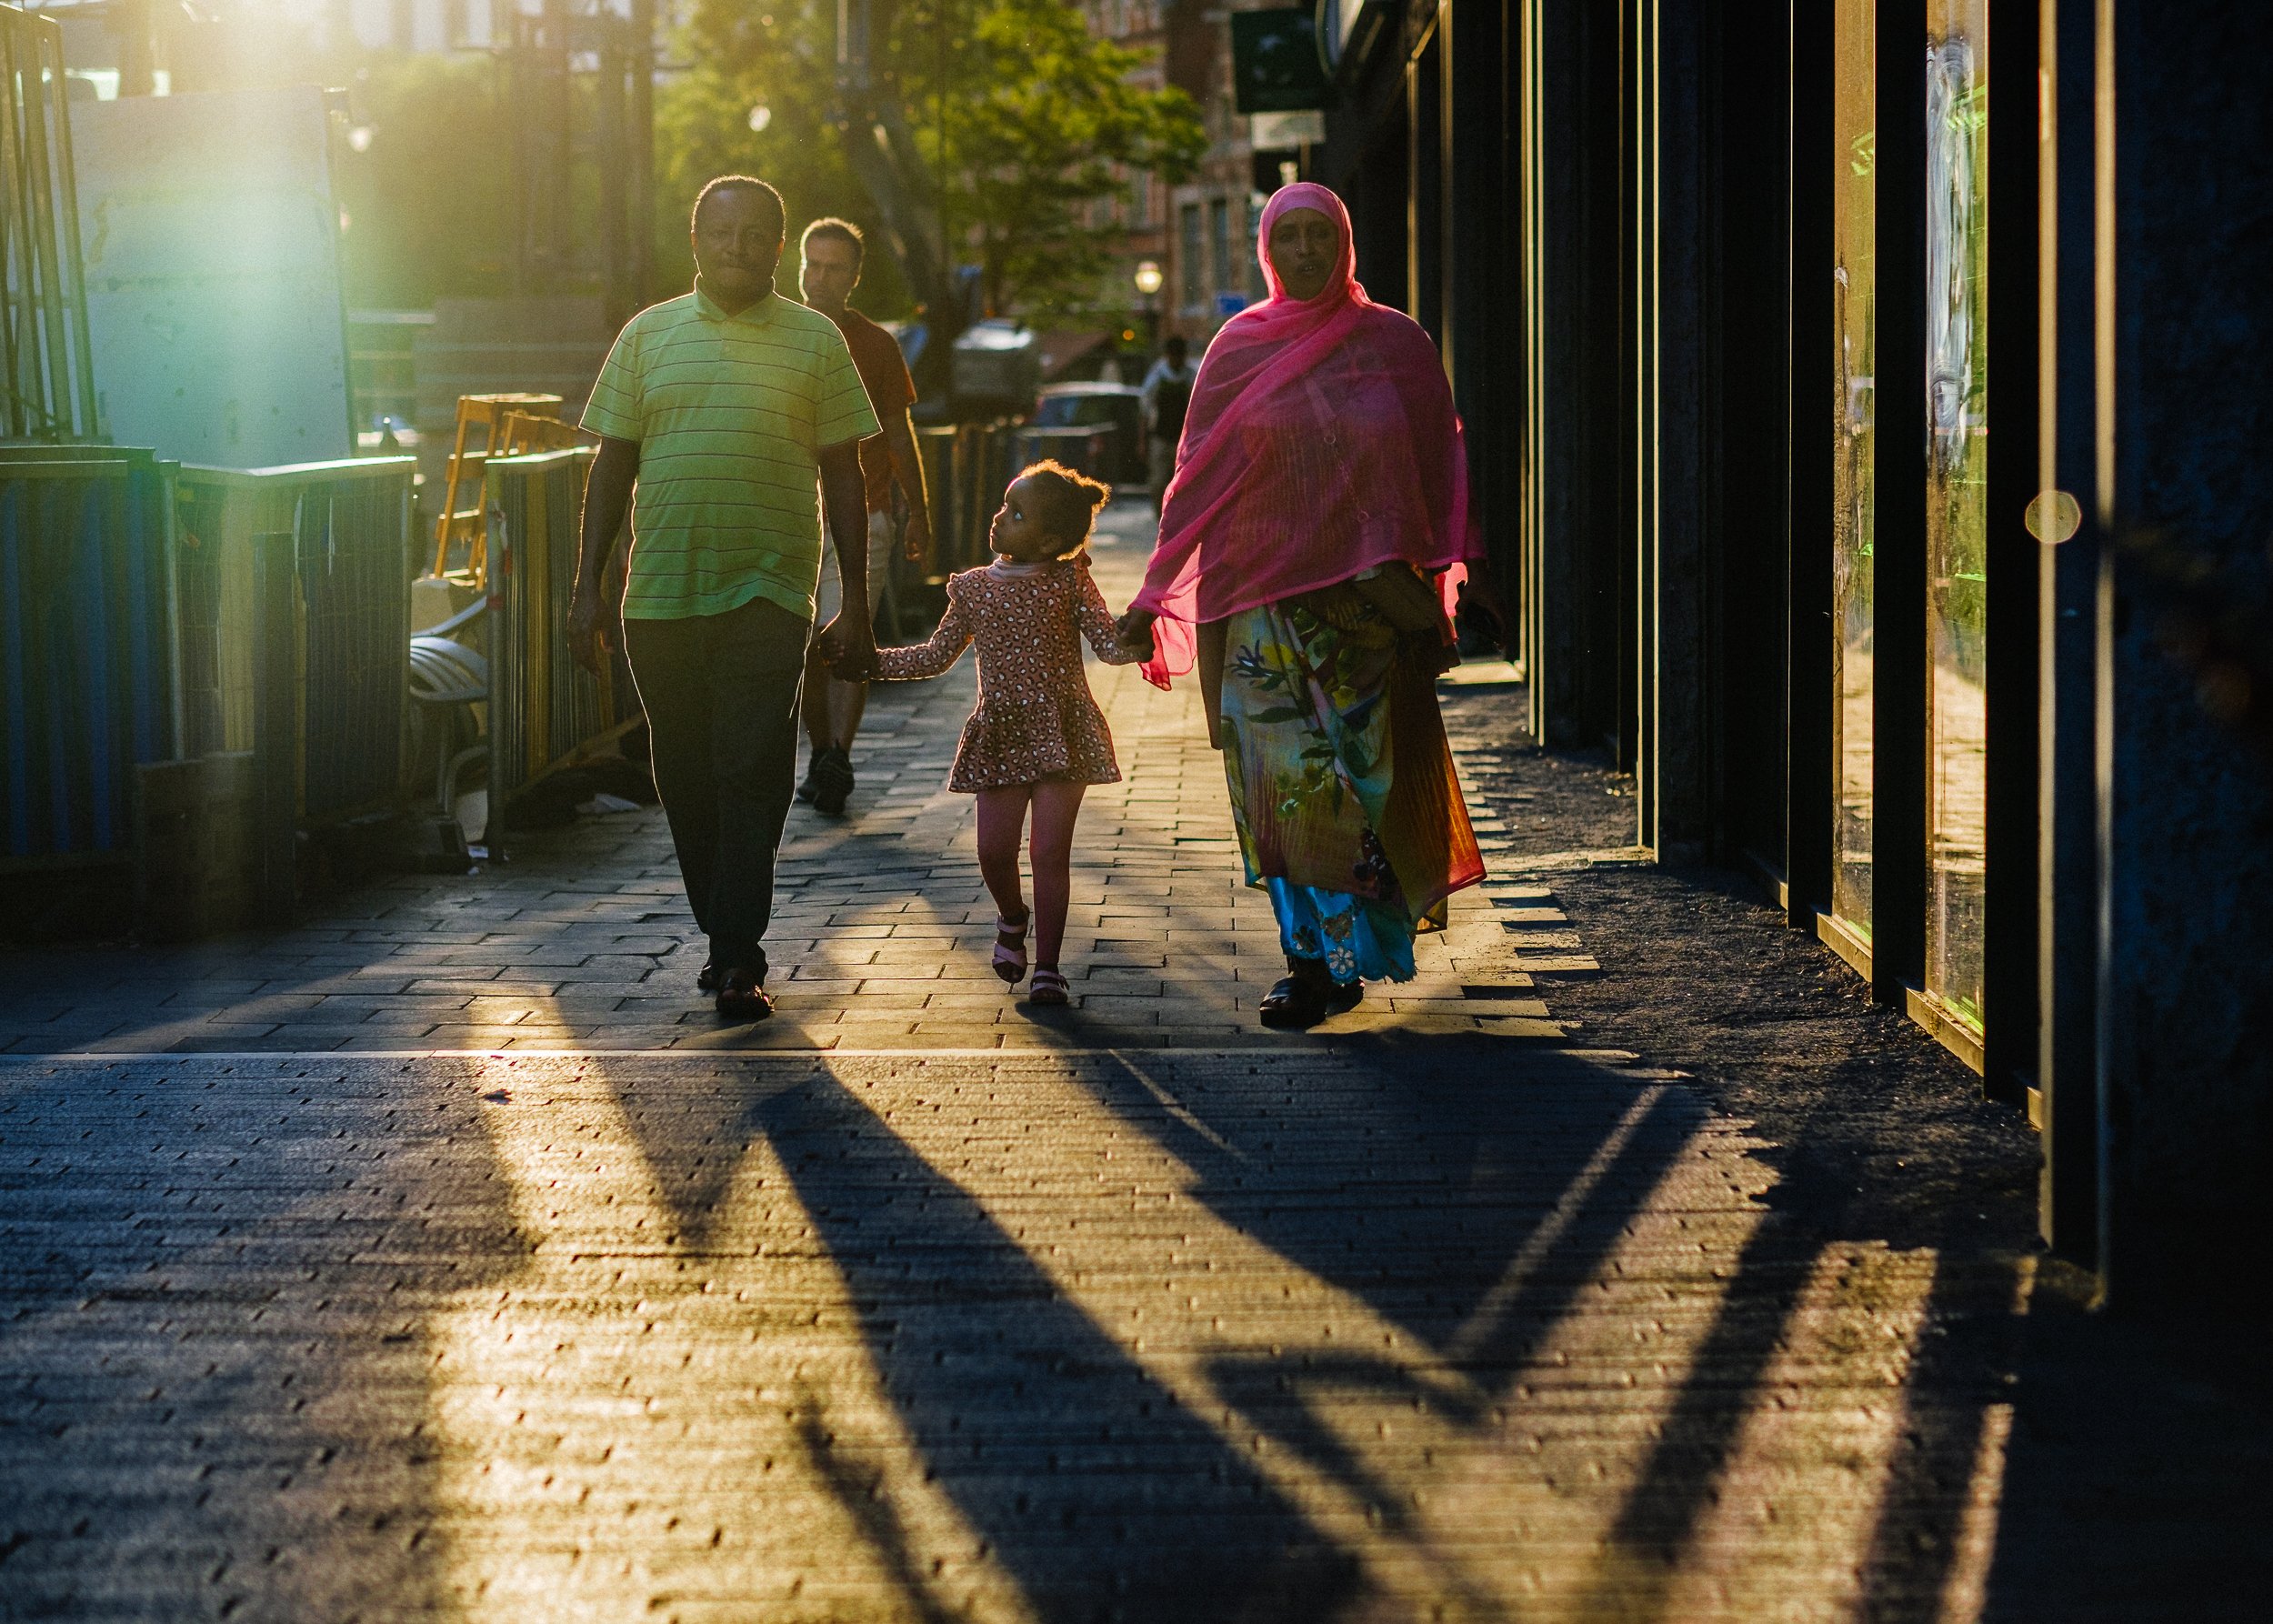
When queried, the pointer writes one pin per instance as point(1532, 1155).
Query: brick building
point(1200, 233)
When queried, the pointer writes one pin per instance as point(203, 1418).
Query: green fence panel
point(351, 526)
point(544, 710)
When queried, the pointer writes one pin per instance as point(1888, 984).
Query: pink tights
point(1001, 821)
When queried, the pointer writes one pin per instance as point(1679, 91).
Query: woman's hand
point(1134, 631)
point(1481, 598)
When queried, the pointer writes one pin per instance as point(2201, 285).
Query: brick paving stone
point(917, 1301)
point(1149, 1335)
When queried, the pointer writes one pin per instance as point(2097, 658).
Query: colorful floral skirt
point(1342, 784)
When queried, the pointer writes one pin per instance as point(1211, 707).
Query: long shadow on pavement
point(173, 1440)
point(1097, 1490)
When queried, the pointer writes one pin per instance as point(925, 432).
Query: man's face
point(829, 275)
point(738, 246)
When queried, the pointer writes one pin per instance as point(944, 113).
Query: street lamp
point(1148, 279)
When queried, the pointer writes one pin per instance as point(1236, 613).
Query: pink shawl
point(1321, 442)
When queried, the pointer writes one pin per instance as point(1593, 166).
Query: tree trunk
point(881, 152)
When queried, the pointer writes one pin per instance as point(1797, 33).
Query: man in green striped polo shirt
point(723, 407)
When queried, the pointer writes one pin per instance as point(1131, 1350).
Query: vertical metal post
point(87, 420)
point(1531, 473)
point(56, 366)
point(1899, 671)
point(1642, 406)
point(2070, 602)
point(2009, 936)
point(1811, 771)
point(2104, 342)
point(276, 726)
point(14, 421)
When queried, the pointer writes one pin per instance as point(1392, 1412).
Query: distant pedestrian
point(1036, 738)
point(723, 406)
point(1318, 523)
point(1165, 396)
point(832, 253)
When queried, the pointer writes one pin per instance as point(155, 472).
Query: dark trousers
point(721, 695)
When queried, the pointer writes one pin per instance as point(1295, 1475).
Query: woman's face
point(1303, 247)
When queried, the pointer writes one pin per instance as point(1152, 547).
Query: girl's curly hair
point(1068, 500)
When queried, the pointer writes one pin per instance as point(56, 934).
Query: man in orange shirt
point(833, 252)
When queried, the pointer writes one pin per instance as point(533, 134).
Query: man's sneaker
point(832, 777)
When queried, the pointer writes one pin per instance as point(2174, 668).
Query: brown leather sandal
point(742, 997)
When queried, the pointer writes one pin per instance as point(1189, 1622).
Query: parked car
point(996, 364)
point(1089, 406)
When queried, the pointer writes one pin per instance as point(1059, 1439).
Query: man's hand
point(916, 541)
point(1134, 631)
point(587, 637)
point(848, 645)
point(1480, 598)
point(607, 498)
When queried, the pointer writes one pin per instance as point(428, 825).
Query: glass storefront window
point(1855, 296)
point(1956, 499)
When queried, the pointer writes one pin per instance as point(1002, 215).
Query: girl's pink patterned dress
point(1035, 720)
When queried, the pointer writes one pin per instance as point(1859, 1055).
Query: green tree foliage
point(1019, 119)
point(748, 57)
point(427, 202)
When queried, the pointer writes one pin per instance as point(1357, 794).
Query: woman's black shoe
point(1307, 995)
point(741, 997)
point(1292, 1002)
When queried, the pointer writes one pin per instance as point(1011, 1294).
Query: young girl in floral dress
point(1037, 739)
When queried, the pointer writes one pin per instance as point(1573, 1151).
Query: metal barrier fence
point(968, 465)
point(965, 467)
point(350, 523)
point(87, 637)
point(545, 711)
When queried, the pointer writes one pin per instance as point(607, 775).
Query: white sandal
point(1049, 988)
point(1009, 958)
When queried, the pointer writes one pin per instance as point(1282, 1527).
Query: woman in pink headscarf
point(1312, 542)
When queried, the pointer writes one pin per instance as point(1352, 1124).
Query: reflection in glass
point(1956, 497)
point(1854, 297)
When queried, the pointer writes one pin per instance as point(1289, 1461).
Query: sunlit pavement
point(457, 1263)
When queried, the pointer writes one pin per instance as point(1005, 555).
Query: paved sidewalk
point(457, 1264)
point(880, 940)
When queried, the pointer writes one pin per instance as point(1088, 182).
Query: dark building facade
point(1864, 406)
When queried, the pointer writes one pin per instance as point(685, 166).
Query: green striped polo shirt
point(730, 413)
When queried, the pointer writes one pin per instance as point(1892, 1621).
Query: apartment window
point(1192, 258)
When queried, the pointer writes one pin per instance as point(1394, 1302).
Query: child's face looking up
point(1017, 532)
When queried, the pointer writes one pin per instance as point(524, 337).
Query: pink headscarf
point(1321, 442)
